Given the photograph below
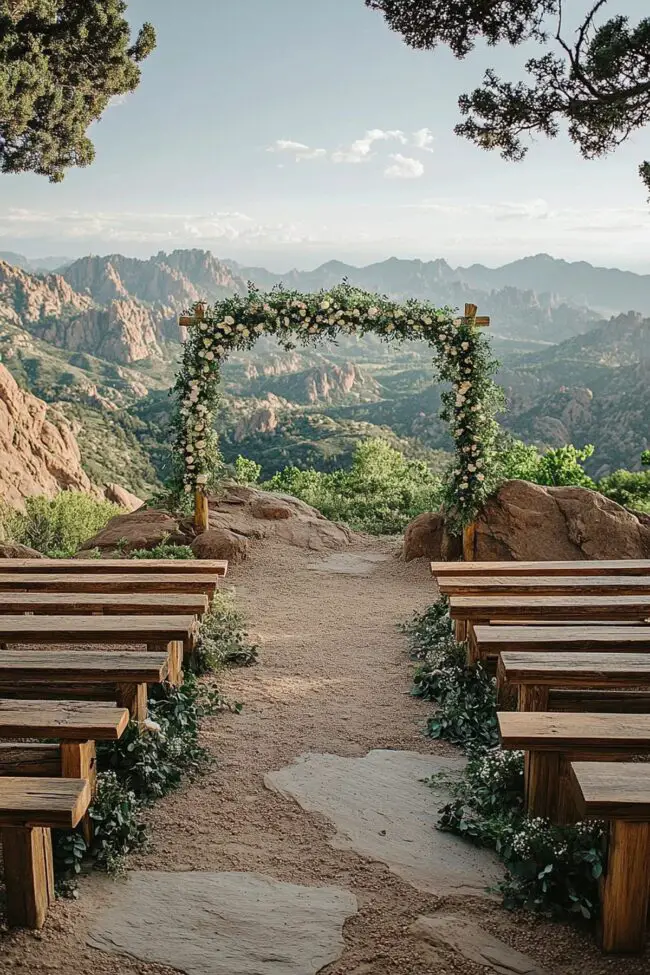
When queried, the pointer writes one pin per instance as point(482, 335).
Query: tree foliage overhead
point(61, 62)
point(593, 73)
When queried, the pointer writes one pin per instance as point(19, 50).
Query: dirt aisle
point(333, 677)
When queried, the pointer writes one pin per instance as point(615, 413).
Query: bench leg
point(29, 874)
point(460, 630)
point(133, 697)
point(175, 653)
point(542, 783)
point(79, 761)
point(625, 891)
point(533, 698)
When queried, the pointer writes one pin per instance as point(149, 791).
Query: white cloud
point(298, 149)
point(159, 228)
point(404, 167)
point(361, 150)
point(423, 139)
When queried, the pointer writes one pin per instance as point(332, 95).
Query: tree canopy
point(61, 62)
point(593, 73)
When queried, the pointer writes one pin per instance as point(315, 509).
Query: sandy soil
point(333, 677)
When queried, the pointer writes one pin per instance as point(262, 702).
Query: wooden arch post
point(201, 509)
point(469, 532)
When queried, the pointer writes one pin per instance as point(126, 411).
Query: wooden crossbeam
point(471, 318)
point(186, 321)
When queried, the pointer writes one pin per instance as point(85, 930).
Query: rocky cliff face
point(123, 332)
point(120, 330)
point(38, 450)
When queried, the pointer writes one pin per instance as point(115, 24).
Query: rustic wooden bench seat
point(485, 643)
point(76, 724)
point(545, 585)
point(561, 608)
point(209, 567)
point(114, 675)
point(534, 673)
point(113, 604)
point(175, 635)
point(29, 809)
point(551, 740)
point(620, 792)
point(109, 582)
point(579, 568)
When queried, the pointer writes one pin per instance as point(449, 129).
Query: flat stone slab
point(224, 923)
point(383, 810)
point(349, 564)
point(464, 937)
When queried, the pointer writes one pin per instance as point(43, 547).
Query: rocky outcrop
point(238, 516)
point(144, 528)
point(264, 420)
point(220, 543)
point(26, 299)
point(427, 537)
point(120, 496)
point(423, 537)
point(123, 332)
point(38, 450)
point(14, 550)
point(528, 522)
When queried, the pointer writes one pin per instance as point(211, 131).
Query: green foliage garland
point(462, 358)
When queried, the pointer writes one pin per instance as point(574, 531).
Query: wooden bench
point(175, 635)
point(552, 740)
point(29, 810)
point(109, 582)
point(567, 608)
point(113, 604)
point(545, 585)
point(535, 673)
point(587, 567)
point(105, 675)
point(620, 792)
point(76, 725)
point(487, 642)
point(209, 567)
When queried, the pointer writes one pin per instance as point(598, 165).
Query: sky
point(290, 132)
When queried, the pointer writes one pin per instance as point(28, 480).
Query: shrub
point(247, 471)
point(222, 637)
point(162, 551)
point(57, 526)
point(549, 868)
point(153, 761)
point(381, 492)
point(629, 488)
point(555, 467)
point(552, 869)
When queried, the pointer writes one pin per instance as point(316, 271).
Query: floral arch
point(461, 358)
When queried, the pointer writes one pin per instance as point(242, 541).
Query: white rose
point(229, 320)
point(325, 305)
point(471, 467)
point(287, 322)
point(209, 355)
point(245, 333)
point(480, 477)
point(464, 345)
point(372, 312)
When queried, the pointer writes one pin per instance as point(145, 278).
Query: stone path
point(292, 855)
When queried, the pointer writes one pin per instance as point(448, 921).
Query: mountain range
point(97, 339)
